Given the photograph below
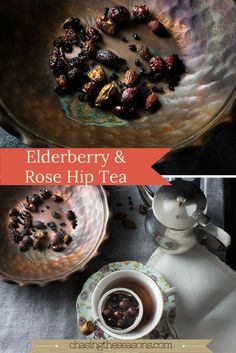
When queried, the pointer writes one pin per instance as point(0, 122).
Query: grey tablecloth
point(34, 313)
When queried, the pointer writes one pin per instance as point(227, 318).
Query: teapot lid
point(175, 205)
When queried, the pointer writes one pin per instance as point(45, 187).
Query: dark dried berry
point(120, 111)
point(35, 199)
point(57, 62)
point(74, 77)
point(67, 239)
point(129, 224)
point(45, 194)
point(130, 95)
point(68, 49)
point(72, 22)
point(38, 225)
point(143, 73)
point(141, 13)
point(70, 215)
point(62, 224)
point(74, 224)
point(157, 64)
point(93, 34)
point(138, 62)
point(107, 57)
point(157, 27)
point(22, 247)
point(144, 52)
point(57, 198)
point(58, 247)
point(136, 36)
point(14, 212)
point(75, 62)
point(70, 35)
point(119, 14)
point(124, 39)
point(106, 24)
point(52, 226)
point(132, 47)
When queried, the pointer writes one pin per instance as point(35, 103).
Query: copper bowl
point(39, 268)
point(202, 33)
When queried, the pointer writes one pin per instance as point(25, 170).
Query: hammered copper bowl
point(40, 268)
point(202, 33)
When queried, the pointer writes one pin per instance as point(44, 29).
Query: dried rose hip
point(107, 57)
point(67, 239)
point(119, 14)
point(106, 24)
point(130, 95)
point(131, 78)
point(144, 52)
point(157, 64)
point(106, 94)
point(93, 34)
point(152, 102)
point(157, 27)
point(173, 63)
point(141, 13)
point(97, 74)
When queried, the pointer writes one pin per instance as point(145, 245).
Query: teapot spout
point(146, 194)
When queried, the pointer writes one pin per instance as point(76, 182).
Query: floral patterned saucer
point(83, 304)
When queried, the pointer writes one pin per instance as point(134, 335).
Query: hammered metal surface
point(203, 34)
point(90, 206)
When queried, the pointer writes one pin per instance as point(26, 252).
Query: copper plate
point(203, 34)
point(40, 268)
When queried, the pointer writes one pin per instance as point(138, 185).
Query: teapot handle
point(205, 222)
point(146, 194)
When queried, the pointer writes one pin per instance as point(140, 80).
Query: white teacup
point(146, 289)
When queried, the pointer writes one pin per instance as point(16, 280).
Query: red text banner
point(40, 166)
